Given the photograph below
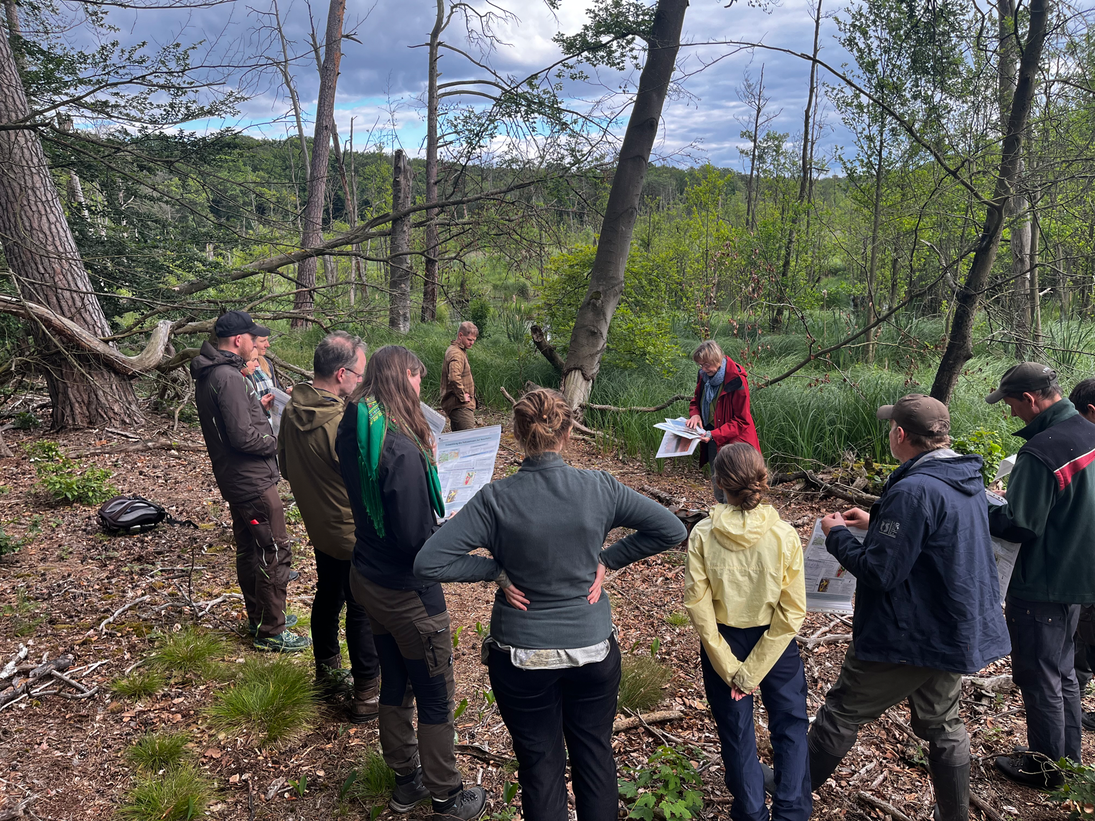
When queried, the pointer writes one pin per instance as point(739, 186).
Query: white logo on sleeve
point(889, 528)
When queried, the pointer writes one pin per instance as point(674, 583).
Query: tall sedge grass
point(179, 794)
point(192, 651)
point(154, 752)
point(273, 701)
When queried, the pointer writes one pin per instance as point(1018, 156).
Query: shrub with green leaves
point(1077, 794)
point(179, 794)
point(273, 701)
point(641, 683)
point(988, 444)
point(65, 479)
point(668, 787)
point(371, 780)
point(190, 652)
point(154, 752)
point(139, 684)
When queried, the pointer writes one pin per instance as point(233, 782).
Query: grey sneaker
point(290, 621)
point(285, 643)
point(408, 792)
point(467, 805)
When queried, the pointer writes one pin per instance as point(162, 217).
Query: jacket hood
point(211, 357)
point(737, 529)
point(961, 472)
point(311, 408)
point(733, 371)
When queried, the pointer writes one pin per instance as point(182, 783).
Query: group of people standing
point(361, 460)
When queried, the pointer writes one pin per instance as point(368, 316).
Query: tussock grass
point(179, 794)
point(138, 684)
point(158, 751)
point(373, 780)
point(273, 701)
point(641, 683)
point(678, 619)
point(191, 652)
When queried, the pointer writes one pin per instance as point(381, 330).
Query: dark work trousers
point(332, 591)
point(461, 418)
point(262, 560)
point(1043, 667)
point(545, 708)
point(783, 692)
point(1084, 656)
point(414, 643)
point(864, 690)
point(712, 451)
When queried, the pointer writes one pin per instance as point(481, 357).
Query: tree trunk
point(399, 262)
point(751, 189)
point(15, 34)
point(312, 218)
point(960, 344)
point(431, 280)
point(606, 280)
point(46, 268)
point(872, 264)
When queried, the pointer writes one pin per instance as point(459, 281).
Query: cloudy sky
point(383, 75)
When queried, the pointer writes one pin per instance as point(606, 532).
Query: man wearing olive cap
point(927, 606)
point(1050, 512)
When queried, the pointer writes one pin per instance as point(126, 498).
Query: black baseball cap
point(1026, 377)
point(919, 414)
point(235, 323)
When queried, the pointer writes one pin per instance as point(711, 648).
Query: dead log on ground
point(622, 724)
point(143, 445)
point(483, 754)
point(990, 684)
point(20, 687)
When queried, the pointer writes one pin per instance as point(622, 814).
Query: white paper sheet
point(1005, 552)
point(434, 419)
point(465, 463)
point(673, 445)
point(830, 588)
point(281, 399)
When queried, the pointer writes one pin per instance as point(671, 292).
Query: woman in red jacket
point(721, 403)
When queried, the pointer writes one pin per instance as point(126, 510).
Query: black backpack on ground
point(134, 514)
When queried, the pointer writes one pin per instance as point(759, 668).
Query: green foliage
point(668, 787)
point(273, 701)
point(25, 420)
point(1077, 794)
point(191, 652)
point(479, 312)
point(988, 444)
point(157, 751)
point(677, 618)
point(641, 330)
point(642, 680)
point(21, 617)
point(139, 684)
point(64, 478)
point(180, 794)
point(372, 779)
point(10, 544)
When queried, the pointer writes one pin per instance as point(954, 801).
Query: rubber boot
point(822, 765)
point(365, 705)
point(331, 680)
point(952, 791)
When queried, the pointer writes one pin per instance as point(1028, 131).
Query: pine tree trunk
point(431, 280)
point(606, 280)
point(47, 269)
point(399, 264)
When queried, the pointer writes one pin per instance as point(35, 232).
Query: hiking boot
point(332, 681)
point(769, 778)
point(293, 575)
point(284, 643)
point(466, 805)
point(408, 792)
point(365, 704)
point(1088, 720)
point(290, 621)
point(1031, 770)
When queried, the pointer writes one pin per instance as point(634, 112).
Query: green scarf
point(372, 426)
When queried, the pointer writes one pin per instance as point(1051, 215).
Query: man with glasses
point(243, 450)
point(306, 451)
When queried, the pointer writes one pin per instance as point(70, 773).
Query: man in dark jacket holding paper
point(1050, 510)
point(243, 450)
point(927, 602)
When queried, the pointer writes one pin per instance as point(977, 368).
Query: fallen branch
point(985, 807)
point(879, 804)
point(483, 754)
point(990, 684)
point(505, 393)
point(679, 397)
point(119, 612)
point(622, 724)
point(848, 494)
point(835, 638)
point(281, 363)
point(10, 667)
point(21, 687)
point(539, 339)
point(147, 444)
point(659, 496)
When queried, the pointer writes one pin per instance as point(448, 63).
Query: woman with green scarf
point(386, 454)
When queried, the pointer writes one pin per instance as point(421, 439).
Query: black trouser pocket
point(436, 636)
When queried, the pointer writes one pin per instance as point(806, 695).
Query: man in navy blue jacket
point(927, 602)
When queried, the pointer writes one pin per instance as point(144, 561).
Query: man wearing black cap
point(1050, 510)
point(243, 450)
point(927, 607)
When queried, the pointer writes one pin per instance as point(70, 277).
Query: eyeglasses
point(355, 373)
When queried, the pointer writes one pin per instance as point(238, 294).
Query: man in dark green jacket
point(1050, 511)
point(306, 452)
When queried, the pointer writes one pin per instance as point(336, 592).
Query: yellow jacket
point(745, 570)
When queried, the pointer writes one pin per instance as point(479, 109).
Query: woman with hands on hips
point(552, 654)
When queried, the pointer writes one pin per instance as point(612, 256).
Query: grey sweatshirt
point(545, 526)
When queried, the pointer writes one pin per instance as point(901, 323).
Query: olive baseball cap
point(1026, 377)
point(918, 414)
point(235, 323)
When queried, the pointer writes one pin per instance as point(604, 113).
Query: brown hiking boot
point(365, 704)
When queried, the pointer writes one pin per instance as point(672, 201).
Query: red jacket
point(732, 421)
